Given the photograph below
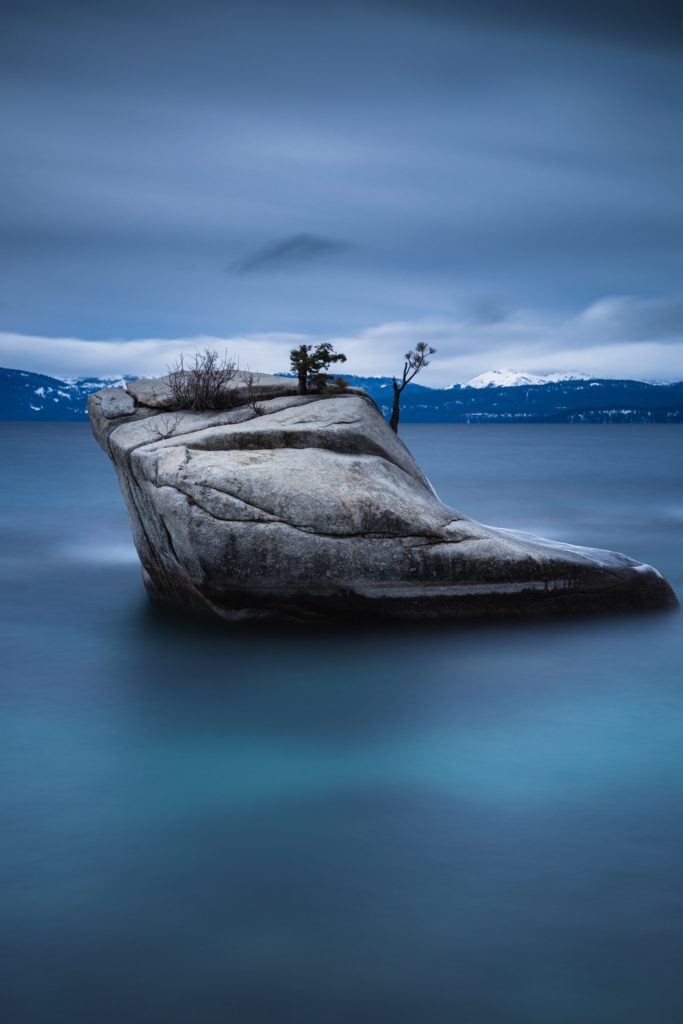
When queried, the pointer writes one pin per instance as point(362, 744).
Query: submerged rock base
point(290, 507)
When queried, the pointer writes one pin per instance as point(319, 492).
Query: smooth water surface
point(466, 824)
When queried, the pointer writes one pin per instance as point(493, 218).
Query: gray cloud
point(519, 150)
point(656, 24)
point(296, 249)
point(614, 337)
point(626, 318)
point(488, 309)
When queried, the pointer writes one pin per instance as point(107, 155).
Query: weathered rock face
point(301, 507)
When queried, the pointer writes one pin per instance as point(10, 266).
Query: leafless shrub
point(163, 427)
point(203, 382)
point(251, 380)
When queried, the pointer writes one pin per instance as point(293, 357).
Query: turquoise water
point(471, 824)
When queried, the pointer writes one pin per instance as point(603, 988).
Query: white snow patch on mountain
point(518, 378)
point(90, 384)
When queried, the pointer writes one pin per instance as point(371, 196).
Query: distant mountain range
point(501, 396)
point(34, 396)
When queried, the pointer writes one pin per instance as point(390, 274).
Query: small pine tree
point(310, 362)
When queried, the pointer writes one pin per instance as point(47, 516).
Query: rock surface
point(310, 507)
point(115, 402)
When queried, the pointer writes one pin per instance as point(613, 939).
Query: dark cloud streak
point(657, 24)
point(286, 252)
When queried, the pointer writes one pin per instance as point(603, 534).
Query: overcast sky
point(501, 179)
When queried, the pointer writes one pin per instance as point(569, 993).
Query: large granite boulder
point(310, 507)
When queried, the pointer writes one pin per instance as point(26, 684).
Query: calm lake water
point(462, 824)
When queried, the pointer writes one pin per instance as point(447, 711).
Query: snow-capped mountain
point(564, 398)
point(517, 378)
point(35, 396)
point(91, 384)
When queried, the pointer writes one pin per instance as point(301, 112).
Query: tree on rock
point(310, 362)
point(414, 362)
point(203, 382)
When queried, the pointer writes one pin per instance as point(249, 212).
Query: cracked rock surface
point(309, 507)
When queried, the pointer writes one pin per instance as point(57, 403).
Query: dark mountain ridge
point(38, 397)
point(597, 400)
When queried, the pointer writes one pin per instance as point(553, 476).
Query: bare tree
point(163, 427)
point(251, 383)
point(203, 382)
point(414, 362)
